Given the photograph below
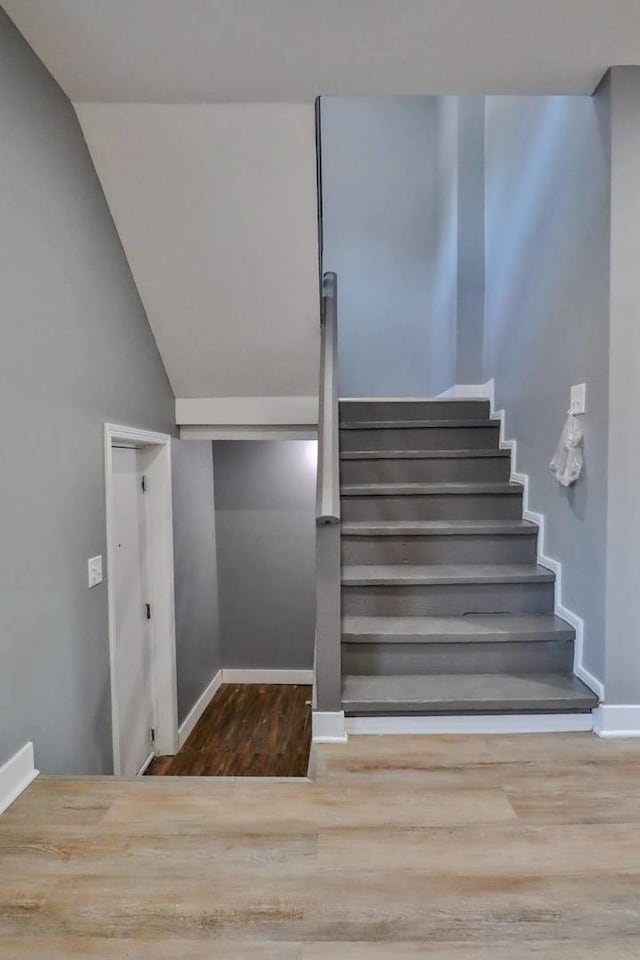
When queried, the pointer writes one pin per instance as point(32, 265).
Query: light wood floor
point(449, 848)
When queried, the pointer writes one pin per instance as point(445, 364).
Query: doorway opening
point(140, 581)
point(244, 540)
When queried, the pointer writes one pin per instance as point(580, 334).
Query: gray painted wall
point(621, 114)
point(379, 226)
point(76, 351)
point(442, 345)
point(196, 577)
point(265, 530)
point(546, 319)
point(471, 266)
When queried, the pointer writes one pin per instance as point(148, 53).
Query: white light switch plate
point(95, 571)
point(579, 398)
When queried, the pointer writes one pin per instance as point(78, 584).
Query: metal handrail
point(328, 484)
point(327, 667)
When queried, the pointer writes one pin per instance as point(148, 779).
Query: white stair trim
point(464, 391)
point(507, 723)
point(441, 396)
point(16, 775)
point(208, 432)
point(247, 418)
point(328, 727)
point(199, 708)
point(243, 411)
point(240, 675)
point(487, 391)
point(617, 720)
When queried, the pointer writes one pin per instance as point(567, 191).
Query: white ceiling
point(215, 205)
point(192, 51)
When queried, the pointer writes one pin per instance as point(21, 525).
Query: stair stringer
point(487, 391)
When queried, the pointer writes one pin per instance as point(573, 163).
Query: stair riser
point(465, 708)
point(421, 438)
point(441, 600)
point(432, 549)
point(440, 470)
point(384, 659)
point(356, 411)
point(470, 506)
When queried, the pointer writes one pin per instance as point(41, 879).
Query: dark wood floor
point(248, 730)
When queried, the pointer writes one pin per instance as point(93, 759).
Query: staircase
point(444, 608)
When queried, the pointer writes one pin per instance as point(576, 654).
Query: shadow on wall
point(265, 530)
point(539, 152)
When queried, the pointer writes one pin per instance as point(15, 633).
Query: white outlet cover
point(95, 571)
point(579, 398)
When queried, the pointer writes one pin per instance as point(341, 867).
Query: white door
point(132, 646)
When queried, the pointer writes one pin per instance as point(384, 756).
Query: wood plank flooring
point(451, 848)
point(248, 730)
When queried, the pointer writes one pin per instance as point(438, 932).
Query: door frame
point(155, 449)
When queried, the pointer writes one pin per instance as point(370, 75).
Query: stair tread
point(472, 627)
point(416, 424)
point(409, 574)
point(345, 401)
point(422, 454)
point(417, 528)
point(427, 489)
point(443, 693)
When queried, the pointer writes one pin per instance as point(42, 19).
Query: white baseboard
point(240, 675)
point(581, 671)
point(199, 708)
point(471, 724)
point(16, 775)
point(617, 720)
point(487, 391)
point(328, 727)
point(145, 764)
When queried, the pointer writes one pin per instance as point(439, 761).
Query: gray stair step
point(465, 693)
point(440, 528)
point(431, 501)
point(406, 575)
point(373, 468)
point(429, 489)
point(445, 590)
point(422, 454)
point(439, 541)
point(420, 435)
point(427, 659)
point(472, 628)
point(443, 408)
point(444, 606)
point(446, 506)
point(472, 644)
point(455, 423)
